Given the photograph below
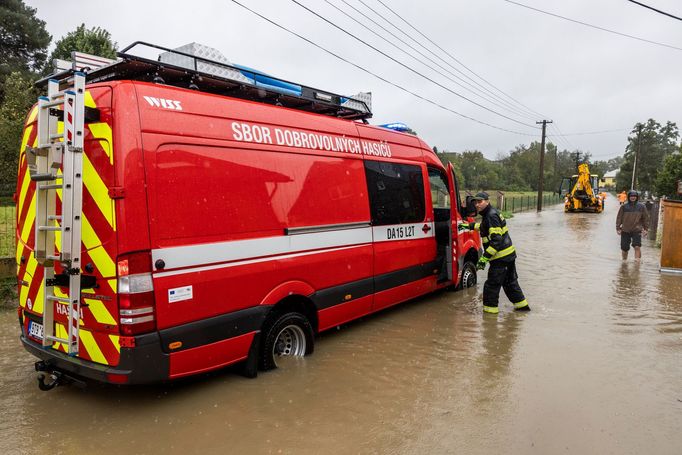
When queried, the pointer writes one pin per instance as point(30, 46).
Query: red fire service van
point(178, 214)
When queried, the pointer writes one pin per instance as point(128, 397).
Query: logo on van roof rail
point(163, 103)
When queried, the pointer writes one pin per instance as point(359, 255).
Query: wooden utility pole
point(634, 167)
point(542, 162)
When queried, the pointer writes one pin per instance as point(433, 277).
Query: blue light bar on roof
point(397, 126)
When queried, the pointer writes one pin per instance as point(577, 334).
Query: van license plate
point(35, 330)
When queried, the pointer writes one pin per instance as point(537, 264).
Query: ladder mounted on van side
point(195, 70)
point(60, 150)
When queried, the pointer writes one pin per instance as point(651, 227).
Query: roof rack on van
point(190, 70)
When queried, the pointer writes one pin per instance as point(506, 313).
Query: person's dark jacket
point(633, 217)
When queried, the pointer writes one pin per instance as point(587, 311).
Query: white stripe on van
point(239, 250)
point(272, 248)
point(251, 261)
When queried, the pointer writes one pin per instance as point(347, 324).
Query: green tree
point(95, 41)
point(666, 181)
point(652, 143)
point(13, 111)
point(23, 41)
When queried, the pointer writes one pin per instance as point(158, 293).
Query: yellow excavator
point(581, 192)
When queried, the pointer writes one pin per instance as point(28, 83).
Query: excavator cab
point(565, 186)
point(581, 192)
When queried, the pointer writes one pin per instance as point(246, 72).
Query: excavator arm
point(582, 195)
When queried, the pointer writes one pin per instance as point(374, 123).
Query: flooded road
point(595, 367)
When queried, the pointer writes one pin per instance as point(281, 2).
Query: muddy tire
point(288, 334)
point(468, 277)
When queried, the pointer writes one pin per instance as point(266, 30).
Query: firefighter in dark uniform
point(500, 253)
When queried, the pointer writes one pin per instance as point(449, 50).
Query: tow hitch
point(49, 377)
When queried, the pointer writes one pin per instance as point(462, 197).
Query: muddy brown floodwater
point(595, 367)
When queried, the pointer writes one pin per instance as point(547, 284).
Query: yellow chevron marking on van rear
point(60, 332)
point(97, 189)
point(24, 138)
point(91, 346)
point(99, 255)
point(28, 222)
point(100, 312)
point(92, 243)
point(88, 100)
point(24, 188)
point(100, 130)
point(30, 270)
point(32, 115)
point(39, 304)
point(115, 340)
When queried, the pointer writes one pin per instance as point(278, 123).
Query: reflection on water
point(593, 368)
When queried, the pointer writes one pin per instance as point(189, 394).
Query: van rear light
point(135, 294)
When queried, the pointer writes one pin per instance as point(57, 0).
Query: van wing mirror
point(469, 208)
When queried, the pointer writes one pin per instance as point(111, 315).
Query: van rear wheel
point(287, 335)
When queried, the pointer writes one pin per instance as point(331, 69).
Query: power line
point(409, 68)
point(594, 26)
point(533, 112)
point(484, 96)
point(561, 138)
point(586, 133)
point(654, 9)
point(376, 75)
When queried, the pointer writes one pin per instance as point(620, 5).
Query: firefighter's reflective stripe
point(521, 304)
point(498, 230)
point(477, 227)
point(485, 240)
point(491, 309)
point(491, 251)
point(503, 253)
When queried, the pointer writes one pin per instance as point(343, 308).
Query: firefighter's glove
point(464, 227)
point(480, 265)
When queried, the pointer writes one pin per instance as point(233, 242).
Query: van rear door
point(99, 340)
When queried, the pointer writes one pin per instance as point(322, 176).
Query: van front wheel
point(468, 278)
point(287, 335)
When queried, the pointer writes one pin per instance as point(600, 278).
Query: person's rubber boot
point(490, 309)
point(522, 306)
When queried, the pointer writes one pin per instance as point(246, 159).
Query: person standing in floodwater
point(501, 255)
point(631, 223)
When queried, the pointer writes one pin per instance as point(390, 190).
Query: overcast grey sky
point(584, 79)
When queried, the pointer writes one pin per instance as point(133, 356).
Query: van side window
point(440, 195)
point(396, 193)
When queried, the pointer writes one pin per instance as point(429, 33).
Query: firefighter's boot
point(522, 306)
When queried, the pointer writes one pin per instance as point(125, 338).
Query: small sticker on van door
point(180, 294)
